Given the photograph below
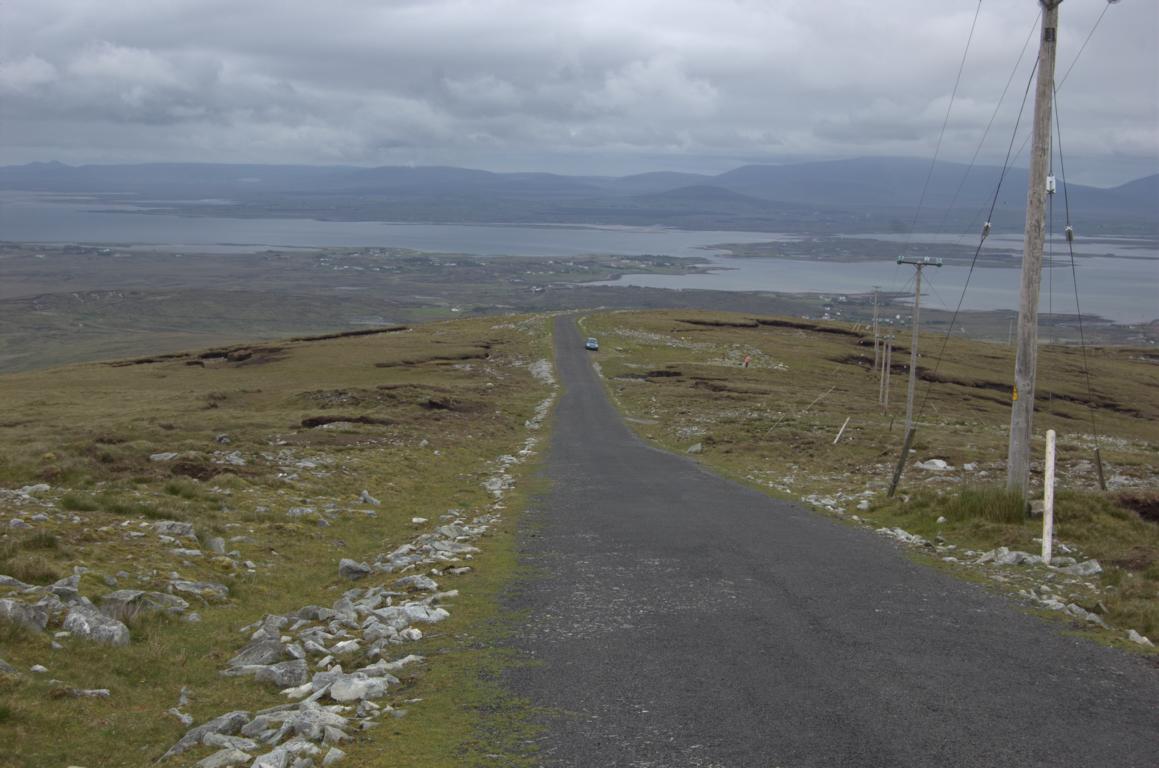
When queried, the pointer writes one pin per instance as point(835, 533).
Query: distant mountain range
point(843, 195)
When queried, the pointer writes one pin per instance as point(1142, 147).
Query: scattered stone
point(222, 439)
point(941, 520)
point(418, 520)
point(333, 756)
point(174, 528)
point(84, 620)
point(863, 505)
point(39, 669)
point(216, 545)
point(7, 669)
point(1135, 637)
point(184, 719)
point(16, 522)
point(164, 456)
point(695, 448)
point(87, 693)
point(353, 570)
point(366, 498)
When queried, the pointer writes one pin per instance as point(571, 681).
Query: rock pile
point(332, 662)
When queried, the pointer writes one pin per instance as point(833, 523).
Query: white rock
point(38, 668)
point(941, 520)
point(366, 498)
point(357, 687)
point(418, 520)
point(279, 758)
point(1135, 637)
point(333, 756)
point(933, 465)
point(165, 456)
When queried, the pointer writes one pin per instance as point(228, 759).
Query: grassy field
point(681, 380)
point(231, 441)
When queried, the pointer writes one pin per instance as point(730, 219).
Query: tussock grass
point(75, 502)
point(991, 503)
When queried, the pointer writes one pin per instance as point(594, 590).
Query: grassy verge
point(267, 449)
point(681, 379)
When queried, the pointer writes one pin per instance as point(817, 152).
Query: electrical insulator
point(1069, 234)
point(985, 230)
point(1050, 186)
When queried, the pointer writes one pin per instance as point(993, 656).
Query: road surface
point(677, 619)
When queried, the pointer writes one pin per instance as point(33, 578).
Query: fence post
point(1048, 498)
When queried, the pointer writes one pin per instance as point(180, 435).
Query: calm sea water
point(1117, 280)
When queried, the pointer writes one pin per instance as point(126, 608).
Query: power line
point(945, 120)
point(989, 125)
point(978, 250)
point(1074, 274)
point(1083, 47)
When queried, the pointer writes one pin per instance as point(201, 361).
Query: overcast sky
point(584, 86)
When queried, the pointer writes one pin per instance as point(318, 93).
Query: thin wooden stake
point(1099, 466)
point(841, 431)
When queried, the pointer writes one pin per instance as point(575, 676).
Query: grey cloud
point(489, 82)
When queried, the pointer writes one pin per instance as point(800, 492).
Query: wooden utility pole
point(876, 337)
point(918, 264)
point(1022, 396)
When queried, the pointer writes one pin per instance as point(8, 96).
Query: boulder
point(86, 621)
point(225, 758)
point(357, 687)
point(228, 724)
point(125, 604)
point(285, 674)
point(174, 528)
point(1132, 635)
point(933, 465)
point(206, 590)
point(279, 758)
point(417, 582)
point(695, 448)
point(262, 651)
point(29, 616)
point(350, 569)
point(1085, 568)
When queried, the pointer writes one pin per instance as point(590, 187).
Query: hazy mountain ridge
point(881, 192)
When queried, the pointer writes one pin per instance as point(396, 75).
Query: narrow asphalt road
point(675, 618)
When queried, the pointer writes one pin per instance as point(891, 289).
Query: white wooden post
point(1048, 498)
